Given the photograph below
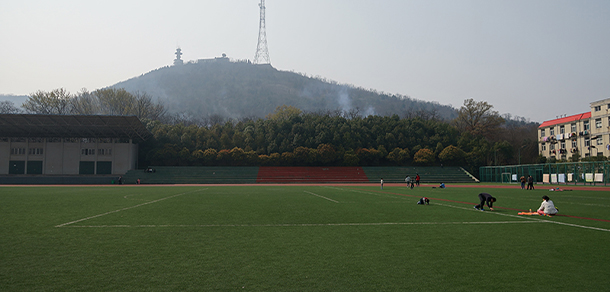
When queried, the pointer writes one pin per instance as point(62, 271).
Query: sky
point(536, 59)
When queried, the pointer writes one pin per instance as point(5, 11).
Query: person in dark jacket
point(530, 182)
point(485, 198)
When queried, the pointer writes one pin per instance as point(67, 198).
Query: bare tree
point(57, 102)
point(478, 118)
point(8, 107)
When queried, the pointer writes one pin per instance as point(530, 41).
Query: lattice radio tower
point(262, 53)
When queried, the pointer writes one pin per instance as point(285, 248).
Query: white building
point(69, 144)
point(586, 134)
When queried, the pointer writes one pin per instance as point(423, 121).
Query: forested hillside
point(290, 137)
point(237, 90)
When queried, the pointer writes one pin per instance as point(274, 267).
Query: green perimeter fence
point(583, 173)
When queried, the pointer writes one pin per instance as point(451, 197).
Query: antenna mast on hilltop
point(262, 53)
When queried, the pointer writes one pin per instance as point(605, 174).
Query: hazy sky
point(531, 58)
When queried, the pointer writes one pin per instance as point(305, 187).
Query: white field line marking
point(309, 224)
point(517, 216)
point(367, 193)
point(132, 207)
point(323, 197)
point(571, 203)
point(530, 218)
point(128, 197)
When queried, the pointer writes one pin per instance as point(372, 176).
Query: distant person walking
point(485, 198)
point(530, 182)
point(522, 182)
point(409, 181)
point(417, 178)
point(382, 183)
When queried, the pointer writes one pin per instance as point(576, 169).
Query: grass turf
point(294, 238)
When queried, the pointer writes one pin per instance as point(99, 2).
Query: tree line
point(479, 136)
point(289, 136)
point(109, 101)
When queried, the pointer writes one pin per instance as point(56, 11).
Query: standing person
point(530, 182)
point(417, 180)
point(382, 183)
point(522, 182)
point(408, 180)
point(547, 207)
point(485, 198)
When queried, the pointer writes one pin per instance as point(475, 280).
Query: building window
point(586, 125)
point(587, 142)
point(88, 151)
point(563, 145)
point(552, 147)
point(573, 128)
point(552, 131)
point(104, 151)
point(543, 147)
point(562, 130)
point(600, 141)
point(17, 151)
point(35, 151)
point(598, 123)
point(542, 133)
point(574, 144)
point(598, 108)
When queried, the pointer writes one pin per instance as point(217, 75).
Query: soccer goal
point(506, 177)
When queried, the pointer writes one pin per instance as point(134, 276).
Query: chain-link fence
point(576, 173)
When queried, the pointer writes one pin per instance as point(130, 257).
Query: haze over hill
point(239, 89)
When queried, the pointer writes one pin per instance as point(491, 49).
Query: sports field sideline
point(300, 238)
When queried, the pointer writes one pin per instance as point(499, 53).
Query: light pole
point(590, 154)
point(520, 153)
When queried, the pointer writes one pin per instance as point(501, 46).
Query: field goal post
point(506, 177)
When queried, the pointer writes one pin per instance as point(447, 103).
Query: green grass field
point(295, 238)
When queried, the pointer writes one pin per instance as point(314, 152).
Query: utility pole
point(262, 53)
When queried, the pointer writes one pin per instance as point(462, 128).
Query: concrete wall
point(4, 156)
point(54, 155)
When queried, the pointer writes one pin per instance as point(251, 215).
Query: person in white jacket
point(547, 207)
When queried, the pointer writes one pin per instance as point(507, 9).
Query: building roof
point(565, 120)
point(72, 126)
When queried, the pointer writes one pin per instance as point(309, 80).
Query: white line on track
point(132, 207)
point(310, 224)
point(323, 197)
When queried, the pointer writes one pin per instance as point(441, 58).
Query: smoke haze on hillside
point(536, 59)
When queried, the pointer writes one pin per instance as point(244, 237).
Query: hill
point(17, 100)
point(240, 89)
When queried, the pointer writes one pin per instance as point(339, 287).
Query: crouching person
point(423, 201)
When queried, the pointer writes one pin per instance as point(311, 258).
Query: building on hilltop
point(224, 58)
point(178, 60)
point(583, 135)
